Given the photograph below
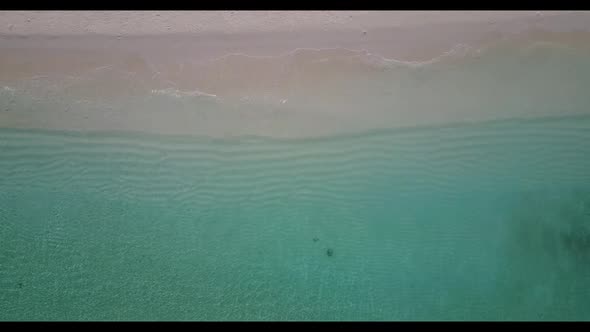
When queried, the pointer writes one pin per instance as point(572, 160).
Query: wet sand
point(251, 69)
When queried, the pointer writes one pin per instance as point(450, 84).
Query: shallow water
point(316, 185)
point(483, 221)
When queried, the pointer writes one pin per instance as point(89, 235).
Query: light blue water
point(482, 221)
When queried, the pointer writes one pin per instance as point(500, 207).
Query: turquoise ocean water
point(488, 220)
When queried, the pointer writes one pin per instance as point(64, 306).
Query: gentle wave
point(435, 159)
point(227, 226)
point(306, 92)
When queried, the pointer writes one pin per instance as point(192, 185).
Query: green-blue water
point(482, 221)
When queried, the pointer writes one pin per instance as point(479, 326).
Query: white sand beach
point(294, 166)
point(272, 73)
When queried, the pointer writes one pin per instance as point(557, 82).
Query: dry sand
point(128, 23)
point(67, 61)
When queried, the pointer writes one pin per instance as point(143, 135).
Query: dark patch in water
point(20, 285)
point(575, 236)
point(315, 239)
point(330, 252)
point(555, 225)
point(576, 242)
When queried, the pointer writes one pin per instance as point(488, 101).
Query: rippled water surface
point(483, 219)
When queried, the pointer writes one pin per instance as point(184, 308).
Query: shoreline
point(308, 84)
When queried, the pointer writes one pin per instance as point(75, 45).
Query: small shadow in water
point(330, 252)
point(315, 239)
point(563, 224)
point(20, 285)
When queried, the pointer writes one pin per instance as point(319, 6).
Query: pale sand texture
point(408, 36)
point(162, 22)
point(266, 72)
